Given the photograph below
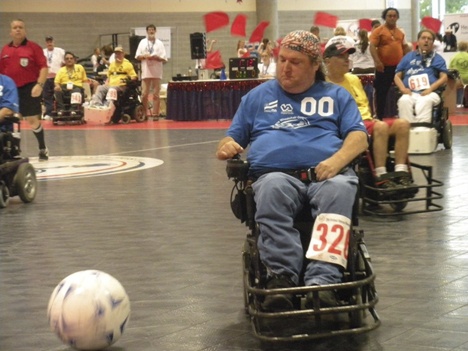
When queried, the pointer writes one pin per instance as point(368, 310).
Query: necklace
point(391, 31)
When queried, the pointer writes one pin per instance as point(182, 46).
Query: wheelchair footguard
point(67, 115)
point(354, 314)
point(355, 311)
point(419, 198)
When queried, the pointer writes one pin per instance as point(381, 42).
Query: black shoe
point(386, 183)
point(327, 298)
point(404, 181)
point(279, 302)
point(43, 154)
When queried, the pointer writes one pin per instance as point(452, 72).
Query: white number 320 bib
point(330, 239)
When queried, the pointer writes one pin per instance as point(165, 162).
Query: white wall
point(149, 6)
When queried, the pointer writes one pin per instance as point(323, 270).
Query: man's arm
point(378, 64)
point(228, 148)
point(399, 83)
point(437, 84)
point(354, 144)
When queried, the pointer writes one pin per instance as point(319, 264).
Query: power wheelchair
point(128, 105)
point(357, 295)
point(374, 200)
point(17, 175)
point(72, 110)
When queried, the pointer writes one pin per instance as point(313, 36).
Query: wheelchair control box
point(422, 140)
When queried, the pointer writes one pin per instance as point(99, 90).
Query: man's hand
point(379, 67)
point(327, 169)
point(228, 148)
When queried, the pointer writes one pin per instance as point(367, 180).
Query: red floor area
point(460, 117)
point(161, 124)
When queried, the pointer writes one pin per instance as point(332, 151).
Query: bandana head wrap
point(302, 41)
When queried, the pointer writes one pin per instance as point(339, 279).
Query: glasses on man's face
point(69, 58)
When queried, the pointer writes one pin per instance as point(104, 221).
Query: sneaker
point(404, 180)
point(279, 302)
point(385, 183)
point(327, 298)
point(43, 154)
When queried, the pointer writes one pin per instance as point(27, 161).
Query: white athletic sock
point(402, 167)
point(380, 170)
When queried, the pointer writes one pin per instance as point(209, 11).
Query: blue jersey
point(294, 131)
point(414, 64)
point(8, 94)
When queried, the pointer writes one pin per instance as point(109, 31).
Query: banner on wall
point(459, 25)
point(162, 33)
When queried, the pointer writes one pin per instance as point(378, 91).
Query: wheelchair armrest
point(10, 119)
point(453, 73)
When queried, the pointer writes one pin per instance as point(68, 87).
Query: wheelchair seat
point(356, 293)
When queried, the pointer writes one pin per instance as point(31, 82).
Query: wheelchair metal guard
point(372, 198)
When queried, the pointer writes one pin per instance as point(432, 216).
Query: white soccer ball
point(89, 310)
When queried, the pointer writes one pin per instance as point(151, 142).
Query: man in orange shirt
point(387, 46)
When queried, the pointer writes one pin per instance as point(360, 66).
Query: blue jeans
point(279, 198)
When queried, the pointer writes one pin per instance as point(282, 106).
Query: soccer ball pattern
point(89, 310)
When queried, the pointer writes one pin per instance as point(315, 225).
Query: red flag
point(431, 23)
point(257, 34)
point(325, 19)
point(215, 20)
point(214, 60)
point(365, 23)
point(238, 25)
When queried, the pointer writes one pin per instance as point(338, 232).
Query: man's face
point(18, 30)
point(295, 71)
point(425, 42)
point(151, 32)
point(391, 18)
point(119, 56)
point(69, 60)
point(338, 64)
point(50, 44)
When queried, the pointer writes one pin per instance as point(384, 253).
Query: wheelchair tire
point(126, 119)
point(4, 195)
point(447, 134)
point(139, 114)
point(399, 206)
point(25, 182)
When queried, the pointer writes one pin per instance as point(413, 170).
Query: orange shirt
point(390, 44)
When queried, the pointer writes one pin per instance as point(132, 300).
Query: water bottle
point(223, 75)
point(190, 71)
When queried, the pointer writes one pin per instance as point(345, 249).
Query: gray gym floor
point(168, 235)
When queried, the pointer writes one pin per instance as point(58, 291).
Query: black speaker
point(133, 42)
point(198, 46)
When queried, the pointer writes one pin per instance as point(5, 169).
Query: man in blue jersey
point(418, 76)
point(9, 103)
point(302, 134)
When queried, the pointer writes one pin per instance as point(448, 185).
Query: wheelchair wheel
point(126, 119)
point(4, 195)
point(447, 134)
point(139, 114)
point(25, 182)
point(398, 206)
